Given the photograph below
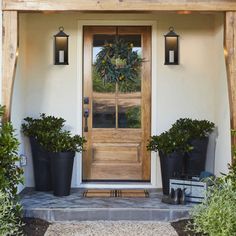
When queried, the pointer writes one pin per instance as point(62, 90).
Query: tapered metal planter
point(41, 166)
point(62, 167)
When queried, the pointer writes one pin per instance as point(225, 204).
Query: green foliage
point(216, 215)
point(63, 141)
point(10, 173)
point(169, 142)
point(178, 137)
point(125, 86)
point(194, 128)
point(10, 177)
point(48, 131)
point(99, 85)
point(133, 115)
point(118, 62)
point(42, 128)
point(10, 223)
point(232, 168)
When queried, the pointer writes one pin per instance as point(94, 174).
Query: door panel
point(118, 122)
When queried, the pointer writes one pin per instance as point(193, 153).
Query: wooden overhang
point(118, 5)
point(11, 8)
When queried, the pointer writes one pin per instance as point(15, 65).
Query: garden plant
point(216, 215)
point(10, 177)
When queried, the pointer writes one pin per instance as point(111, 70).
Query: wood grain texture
point(10, 47)
point(118, 153)
point(119, 5)
point(230, 46)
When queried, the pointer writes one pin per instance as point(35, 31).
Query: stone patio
point(77, 208)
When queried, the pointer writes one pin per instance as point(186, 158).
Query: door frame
point(155, 168)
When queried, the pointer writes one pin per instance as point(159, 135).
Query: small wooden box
point(195, 190)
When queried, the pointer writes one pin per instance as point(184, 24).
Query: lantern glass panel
point(61, 50)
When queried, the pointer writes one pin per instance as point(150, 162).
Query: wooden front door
point(116, 119)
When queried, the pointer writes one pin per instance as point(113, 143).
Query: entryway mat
point(126, 193)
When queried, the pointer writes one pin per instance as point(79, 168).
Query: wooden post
point(9, 58)
point(230, 47)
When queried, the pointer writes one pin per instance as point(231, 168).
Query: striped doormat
point(135, 193)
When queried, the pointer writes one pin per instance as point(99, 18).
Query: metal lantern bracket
point(171, 47)
point(61, 47)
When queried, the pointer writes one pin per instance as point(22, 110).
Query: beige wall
point(196, 88)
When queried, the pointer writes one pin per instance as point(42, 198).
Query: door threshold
point(117, 185)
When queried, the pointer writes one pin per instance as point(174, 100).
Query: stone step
point(77, 208)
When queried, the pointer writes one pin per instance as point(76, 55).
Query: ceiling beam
point(118, 5)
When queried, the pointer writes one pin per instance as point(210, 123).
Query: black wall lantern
point(171, 48)
point(61, 48)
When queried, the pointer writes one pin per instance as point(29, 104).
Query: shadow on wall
point(211, 150)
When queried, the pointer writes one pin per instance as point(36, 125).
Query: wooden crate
point(195, 190)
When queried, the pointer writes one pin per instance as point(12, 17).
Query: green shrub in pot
point(185, 139)
point(171, 146)
point(62, 147)
point(40, 130)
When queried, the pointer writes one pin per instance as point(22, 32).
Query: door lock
point(86, 100)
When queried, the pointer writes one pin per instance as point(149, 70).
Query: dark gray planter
point(41, 166)
point(62, 166)
point(195, 160)
point(171, 167)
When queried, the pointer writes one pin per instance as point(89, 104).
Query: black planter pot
point(196, 159)
point(41, 166)
point(62, 166)
point(171, 166)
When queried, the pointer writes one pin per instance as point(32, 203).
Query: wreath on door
point(117, 62)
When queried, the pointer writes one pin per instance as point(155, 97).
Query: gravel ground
point(112, 228)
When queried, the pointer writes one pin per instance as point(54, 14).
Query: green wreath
point(118, 62)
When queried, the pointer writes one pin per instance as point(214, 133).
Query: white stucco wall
point(196, 88)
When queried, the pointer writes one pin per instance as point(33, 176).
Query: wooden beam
point(10, 45)
point(230, 47)
point(119, 5)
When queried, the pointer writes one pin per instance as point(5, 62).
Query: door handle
point(86, 115)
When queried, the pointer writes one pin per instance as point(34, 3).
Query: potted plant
point(171, 146)
point(39, 131)
point(182, 149)
point(198, 132)
point(61, 147)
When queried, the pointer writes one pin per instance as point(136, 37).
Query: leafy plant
point(63, 141)
point(178, 137)
point(10, 173)
point(169, 142)
point(216, 215)
point(194, 128)
point(10, 223)
point(42, 128)
point(48, 131)
point(232, 168)
point(10, 177)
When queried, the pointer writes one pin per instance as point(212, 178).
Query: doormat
point(135, 193)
